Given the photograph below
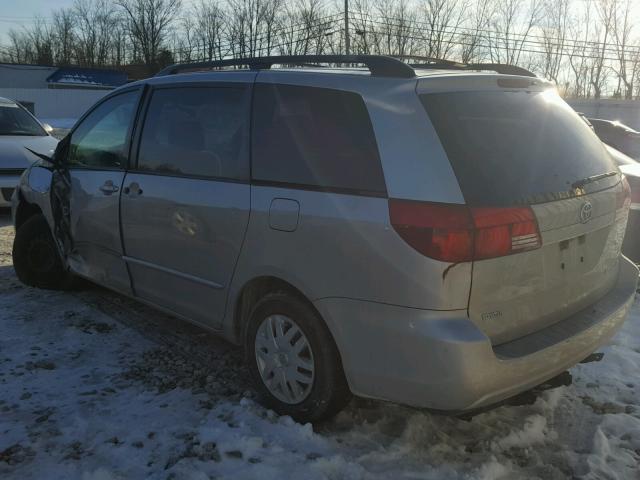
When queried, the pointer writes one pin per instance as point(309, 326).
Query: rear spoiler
point(439, 63)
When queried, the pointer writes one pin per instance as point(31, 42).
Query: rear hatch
point(526, 148)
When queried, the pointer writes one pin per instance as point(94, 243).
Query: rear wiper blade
point(592, 179)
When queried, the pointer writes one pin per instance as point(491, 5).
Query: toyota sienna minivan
point(432, 235)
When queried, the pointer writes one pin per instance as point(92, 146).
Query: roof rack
point(378, 65)
point(430, 62)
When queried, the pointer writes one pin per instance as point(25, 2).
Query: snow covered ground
point(94, 386)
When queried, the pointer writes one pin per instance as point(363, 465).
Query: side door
point(88, 190)
point(185, 204)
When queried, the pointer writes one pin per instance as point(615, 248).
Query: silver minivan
point(434, 236)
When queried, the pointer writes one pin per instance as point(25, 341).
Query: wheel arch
point(255, 289)
point(24, 211)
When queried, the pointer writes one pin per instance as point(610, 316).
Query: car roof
point(7, 102)
point(379, 66)
point(318, 73)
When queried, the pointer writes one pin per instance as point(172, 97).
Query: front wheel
point(36, 259)
point(293, 359)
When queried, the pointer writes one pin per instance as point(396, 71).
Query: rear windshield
point(515, 147)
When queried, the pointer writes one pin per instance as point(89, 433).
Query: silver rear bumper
point(441, 360)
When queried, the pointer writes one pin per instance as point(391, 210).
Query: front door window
point(101, 140)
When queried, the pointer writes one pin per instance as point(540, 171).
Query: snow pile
point(100, 396)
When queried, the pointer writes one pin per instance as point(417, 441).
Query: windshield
point(515, 147)
point(15, 121)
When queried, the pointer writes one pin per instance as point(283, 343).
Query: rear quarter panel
point(345, 247)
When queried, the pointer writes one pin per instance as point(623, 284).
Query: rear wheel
point(36, 258)
point(293, 359)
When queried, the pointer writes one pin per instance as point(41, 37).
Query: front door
point(185, 205)
point(88, 191)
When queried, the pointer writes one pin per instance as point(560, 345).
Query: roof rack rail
point(378, 65)
point(430, 62)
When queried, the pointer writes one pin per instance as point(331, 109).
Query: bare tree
point(20, 49)
point(598, 71)
point(305, 28)
point(580, 30)
point(363, 31)
point(555, 26)
point(120, 46)
point(253, 26)
point(208, 30)
point(95, 22)
point(148, 23)
point(64, 25)
point(443, 19)
point(473, 37)
point(396, 33)
point(622, 29)
point(41, 39)
point(512, 24)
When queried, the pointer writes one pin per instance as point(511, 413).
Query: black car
point(631, 170)
point(618, 135)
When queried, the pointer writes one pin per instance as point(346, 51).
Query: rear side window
point(197, 131)
point(515, 147)
point(314, 137)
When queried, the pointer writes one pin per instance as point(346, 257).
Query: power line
point(446, 29)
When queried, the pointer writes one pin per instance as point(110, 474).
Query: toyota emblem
point(585, 212)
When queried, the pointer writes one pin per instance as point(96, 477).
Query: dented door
point(86, 191)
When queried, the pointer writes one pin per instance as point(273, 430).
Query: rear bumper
point(441, 360)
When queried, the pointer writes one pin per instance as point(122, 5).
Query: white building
point(57, 95)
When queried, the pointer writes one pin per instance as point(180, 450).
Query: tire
point(36, 259)
point(325, 390)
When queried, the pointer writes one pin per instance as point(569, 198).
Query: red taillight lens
point(456, 233)
point(436, 230)
point(503, 231)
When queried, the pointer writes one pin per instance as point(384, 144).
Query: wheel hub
point(284, 359)
point(281, 360)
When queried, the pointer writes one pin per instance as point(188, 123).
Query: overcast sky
point(15, 13)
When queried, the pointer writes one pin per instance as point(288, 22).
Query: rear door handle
point(108, 187)
point(133, 189)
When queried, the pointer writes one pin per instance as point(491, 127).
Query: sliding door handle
point(133, 190)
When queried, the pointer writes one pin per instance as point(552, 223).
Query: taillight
point(457, 233)
point(503, 231)
point(437, 230)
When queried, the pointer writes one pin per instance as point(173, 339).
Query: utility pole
point(347, 46)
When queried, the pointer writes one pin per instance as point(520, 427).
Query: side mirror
point(59, 153)
point(47, 128)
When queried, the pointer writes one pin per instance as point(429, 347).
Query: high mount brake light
point(457, 233)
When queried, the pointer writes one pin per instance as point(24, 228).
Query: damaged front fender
point(48, 188)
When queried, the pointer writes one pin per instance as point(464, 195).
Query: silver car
point(19, 129)
point(434, 236)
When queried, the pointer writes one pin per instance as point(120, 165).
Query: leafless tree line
point(590, 49)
